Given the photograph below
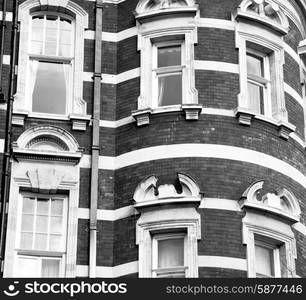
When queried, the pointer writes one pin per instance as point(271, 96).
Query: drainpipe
point(95, 149)
point(5, 182)
point(3, 25)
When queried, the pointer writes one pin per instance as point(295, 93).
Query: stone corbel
point(142, 116)
point(244, 116)
point(192, 111)
point(79, 122)
point(19, 117)
point(284, 130)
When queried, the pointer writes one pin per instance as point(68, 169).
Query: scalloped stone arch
point(144, 6)
point(56, 135)
point(148, 191)
point(272, 8)
point(272, 201)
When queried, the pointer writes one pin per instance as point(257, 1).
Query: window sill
point(245, 117)
point(79, 122)
point(191, 111)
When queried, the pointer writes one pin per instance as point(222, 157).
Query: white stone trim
point(207, 261)
point(294, 94)
point(295, 137)
point(109, 215)
point(294, 55)
point(109, 272)
point(2, 145)
point(201, 151)
point(118, 123)
point(9, 16)
point(206, 203)
point(218, 66)
point(6, 59)
point(220, 204)
point(216, 23)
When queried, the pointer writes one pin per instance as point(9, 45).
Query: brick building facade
point(155, 138)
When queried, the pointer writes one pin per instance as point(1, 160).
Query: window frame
point(276, 266)
point(39, 254)
point(77, 108)
point(264, 81)
point(159, 272)
point(167, 71)
point(55, 59)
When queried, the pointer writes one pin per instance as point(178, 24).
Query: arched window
point(51, 55)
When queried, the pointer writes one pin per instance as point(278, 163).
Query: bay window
point(50, 63)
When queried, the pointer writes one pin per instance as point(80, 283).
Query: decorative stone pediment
point(281, 202)
point(149, 193)
point(266, 12)
point(147, 8)
point(47, 143)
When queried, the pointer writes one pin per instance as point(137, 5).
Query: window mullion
point(57, 35)
point(49, 224)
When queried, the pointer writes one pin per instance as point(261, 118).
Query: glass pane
point(40, 242)
point(56, 207)
point(49, 94)
point(42, 206)
point(255, 65)
point(37, 48)
point(255, 93)
point(37, 35)
point(56, 224)
point(64, 50)
point(169, 56)
point(55, 242)
point(50, 268)
point(170, 89)
point(28, 205)
point(171, 253)
point(42, 224)
point(51, 35)
point(264, 261)
point(27, 267)
point(26, 240)
point(27, 223)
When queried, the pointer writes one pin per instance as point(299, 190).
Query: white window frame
point(68, 60)
point(64, 225)
point(275, 59)
point(39, 254)
point(184, 31)
point(273, 230)
point(163, 221)
point(76, 106)
point(156, 272)
point(275, 257)
point(171, 70)
point(264, 82)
